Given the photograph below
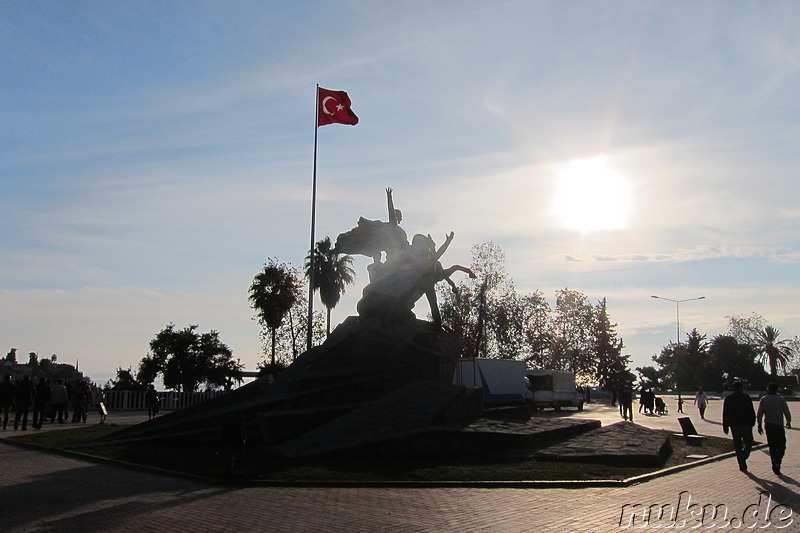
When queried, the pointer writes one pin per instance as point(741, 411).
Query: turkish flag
point(333, 107)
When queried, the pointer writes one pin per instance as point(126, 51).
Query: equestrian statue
point(408, 272)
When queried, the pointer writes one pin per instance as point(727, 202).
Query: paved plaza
point(49, 492)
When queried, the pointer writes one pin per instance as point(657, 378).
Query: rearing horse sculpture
point(409, 272)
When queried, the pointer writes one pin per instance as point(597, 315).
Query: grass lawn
point(251, 463)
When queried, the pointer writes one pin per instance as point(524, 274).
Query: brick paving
point(43, 492)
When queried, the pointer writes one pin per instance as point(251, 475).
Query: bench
point(689, 432)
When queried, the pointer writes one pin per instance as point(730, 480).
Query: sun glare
point(591, 196)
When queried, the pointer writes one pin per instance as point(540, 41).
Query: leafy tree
point(186, 359)
point(652, 377)
point(11, 356)
point(730, 361)
point(267, 369)
point(745, 329)
point(536, 331)
point(33, 359)
point(126, 381)
point(571, 347)
point(485, 311)
point(332, 273)
point(272, 294)
point(682, 363)
point(290, 337)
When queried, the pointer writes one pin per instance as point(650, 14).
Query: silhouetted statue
point(409, 272)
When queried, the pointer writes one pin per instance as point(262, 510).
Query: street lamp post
point(678, 312)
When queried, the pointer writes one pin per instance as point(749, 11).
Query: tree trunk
point(328, 323)
point(273, 347)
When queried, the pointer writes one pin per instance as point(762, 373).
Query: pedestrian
point(151, 400)
point(701, 401)
point(626, 403)
point(40, 403)
point(772, 409)
point(99, 398)
point(23, 400)
point(79, 401)
point(739, 416)
point(650, 401)
point(680, 403)
point(6, 398)
point(642, 398)
point(58, 399)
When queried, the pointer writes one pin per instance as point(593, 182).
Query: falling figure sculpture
point(409, 271)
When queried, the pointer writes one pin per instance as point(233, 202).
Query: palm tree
point(332, 273)
point(773, 351)
point(272, 294)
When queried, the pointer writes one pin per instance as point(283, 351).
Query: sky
point(154, 155)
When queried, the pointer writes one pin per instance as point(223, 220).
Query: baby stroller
point(661, 407)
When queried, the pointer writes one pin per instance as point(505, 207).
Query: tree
point(611, 364)
point(332, 273)
point(571, 328)
point(33, 359)
point(186, 359)
point(774, 352)
point(485, 311)
point(272, 294)
point(536, 332)
point(11, 356)
point(730, 361)
point(125, 381)
point(745, 329)
point(682, 363)
point(652, 377)
point(290, 337)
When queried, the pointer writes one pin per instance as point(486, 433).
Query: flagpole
point(313, 224)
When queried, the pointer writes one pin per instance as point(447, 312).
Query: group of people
point(772, 417)
point(46, 400)
point(739, 416)
point(648, 403)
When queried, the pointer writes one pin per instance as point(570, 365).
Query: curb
point(538, 484)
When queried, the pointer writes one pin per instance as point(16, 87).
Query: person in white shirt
point(772, 409)
point(701, 401)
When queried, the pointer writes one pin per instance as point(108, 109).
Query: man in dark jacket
point(6, 398)
point(40, 403)
point(23, 400)
point(739, 416)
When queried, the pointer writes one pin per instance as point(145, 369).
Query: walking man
point(6, 398)
point(739, 416)
point(773, 409)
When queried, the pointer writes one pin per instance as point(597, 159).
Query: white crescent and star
point(339, 106)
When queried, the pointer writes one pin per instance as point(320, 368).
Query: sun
point(591, 196)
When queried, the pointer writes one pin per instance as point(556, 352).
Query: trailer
point(553, 388)
point(502, 380)
point(509, 382)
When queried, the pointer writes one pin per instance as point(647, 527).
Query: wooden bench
point(689, 432)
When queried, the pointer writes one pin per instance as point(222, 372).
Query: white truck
point(509, 382)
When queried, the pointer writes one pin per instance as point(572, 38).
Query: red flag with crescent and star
point(334, 108)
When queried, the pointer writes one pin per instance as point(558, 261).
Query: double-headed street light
point(678, 312)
